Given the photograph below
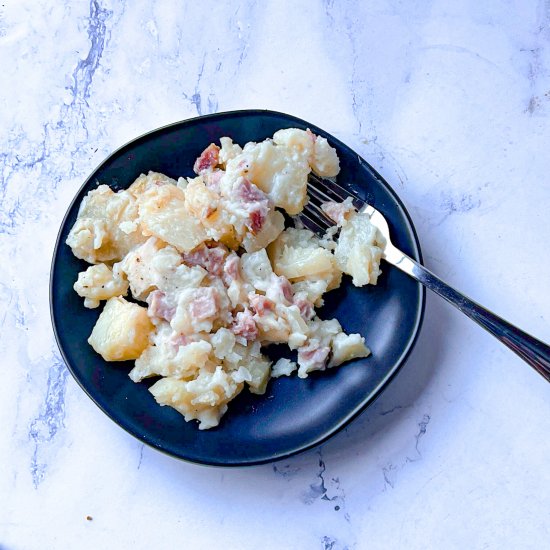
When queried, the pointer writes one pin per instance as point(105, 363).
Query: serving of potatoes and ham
point(212, 275)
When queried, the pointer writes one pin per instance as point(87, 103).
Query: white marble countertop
point(450, 101)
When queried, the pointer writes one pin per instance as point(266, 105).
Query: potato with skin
point(122, 331)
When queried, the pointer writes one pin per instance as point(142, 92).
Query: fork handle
point(532, 351)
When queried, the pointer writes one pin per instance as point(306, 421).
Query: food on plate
point(200, 274)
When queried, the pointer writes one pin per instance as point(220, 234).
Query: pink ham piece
point(248, 192)
point(245, 325)
point(231, 269)
point(212, 259)
point(204, 305)
point(313, 356)
point(280, 290)
point(158, 306)
point(207, 160)
point(257, 219)
point(255, 201)
point(260, 304)
point(306, 308)
point(286, 287)
point(212, 179)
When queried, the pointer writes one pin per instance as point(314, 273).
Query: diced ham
point(286, 287)
point(212, 179)
point(280, 290)
point(248, 192)
point(212, 259)
point(231, 269)
point(216, 260)
point(208, 159)
point(257, 219)
point(256, 202)
point(260, 304)
point(313, 356)
point(158, 307)
point(245, 326)
point(204, 305)
point(306, 308)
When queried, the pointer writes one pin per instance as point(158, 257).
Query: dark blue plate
point(294, 414)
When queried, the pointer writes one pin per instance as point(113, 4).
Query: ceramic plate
point(294, 414)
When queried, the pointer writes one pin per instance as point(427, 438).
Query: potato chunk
point(277, 170)
point(256, 269)
point(155, 265)
point(251, 360)
point(358, 250)
point(122, 331)
point(100, 282)
point(346, 347)
point(272, 228)
point(260, 371)
point(325, 161)
point(152, 179)
point(204, 399)
point(319, 154)
point(107, 226)
point(297, 254)
point(169, 360)
point(163, 214)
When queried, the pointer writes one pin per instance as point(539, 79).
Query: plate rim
point(369, 400)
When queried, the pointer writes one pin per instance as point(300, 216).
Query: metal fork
point(532, 351)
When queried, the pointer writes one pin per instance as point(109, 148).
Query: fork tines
point(319, 191)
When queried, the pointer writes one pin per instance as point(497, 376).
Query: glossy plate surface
point(294, 414)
